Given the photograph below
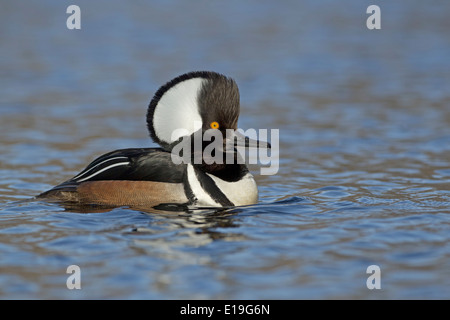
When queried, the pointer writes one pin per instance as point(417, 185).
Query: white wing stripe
point(84, 172)
point(104, 169)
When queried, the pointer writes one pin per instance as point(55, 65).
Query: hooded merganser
point(194, 102)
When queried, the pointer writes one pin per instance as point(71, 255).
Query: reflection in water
point(201, 222)
point(170, 232)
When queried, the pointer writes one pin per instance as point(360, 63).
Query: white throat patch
point(178, 109)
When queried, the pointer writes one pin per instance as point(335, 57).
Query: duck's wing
point(144, 164)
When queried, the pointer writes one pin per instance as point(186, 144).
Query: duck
point(186, 107)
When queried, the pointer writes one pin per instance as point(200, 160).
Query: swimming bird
point(185, 107)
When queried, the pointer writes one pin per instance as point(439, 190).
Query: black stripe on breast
point(212, 189)
point(188, 190)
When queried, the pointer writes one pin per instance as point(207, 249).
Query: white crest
point(178, 109)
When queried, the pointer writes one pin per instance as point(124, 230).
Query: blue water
point(364, 122)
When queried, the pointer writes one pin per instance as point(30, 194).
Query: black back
point(144, 164)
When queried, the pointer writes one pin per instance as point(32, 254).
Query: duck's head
point(196, 102)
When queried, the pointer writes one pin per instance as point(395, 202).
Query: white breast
point(242, 192)
point(203, 198)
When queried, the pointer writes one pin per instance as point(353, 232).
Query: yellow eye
point(214, 125)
